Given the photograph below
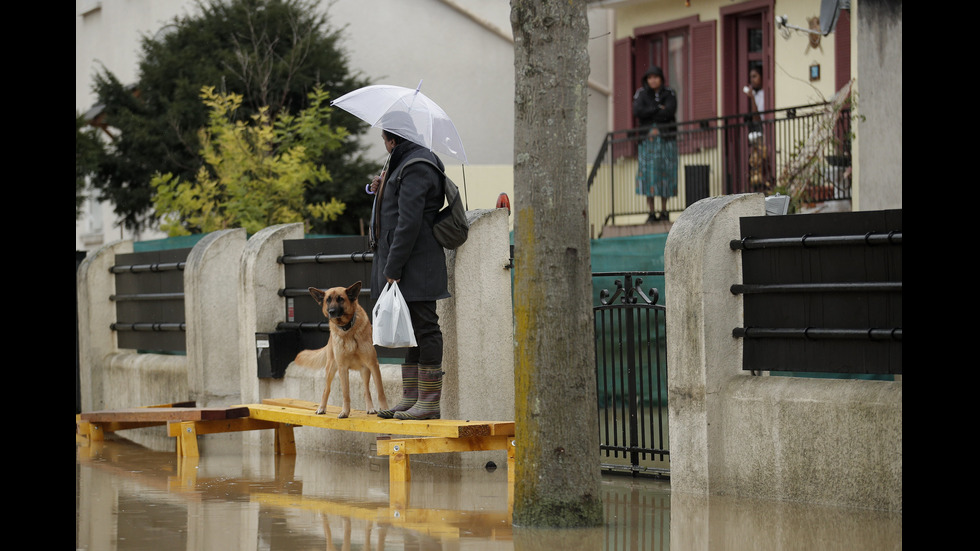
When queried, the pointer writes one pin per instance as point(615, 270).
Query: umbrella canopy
point(406, 112)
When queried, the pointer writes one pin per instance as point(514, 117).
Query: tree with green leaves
point(88, 149)
point(255, 172)
point(271, 53)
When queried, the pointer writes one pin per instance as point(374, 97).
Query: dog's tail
point(313, 359)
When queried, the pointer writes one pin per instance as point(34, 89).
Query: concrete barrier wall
point(96, 342)
point(836, 442)
point(231, 292)
point(830, 441)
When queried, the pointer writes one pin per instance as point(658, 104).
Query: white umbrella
point(406, 112)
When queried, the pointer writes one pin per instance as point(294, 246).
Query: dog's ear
point(317, 295)
point(354, 291)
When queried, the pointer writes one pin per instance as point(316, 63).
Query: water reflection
point(132, 498)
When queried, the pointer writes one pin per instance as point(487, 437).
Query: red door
point(748, 142)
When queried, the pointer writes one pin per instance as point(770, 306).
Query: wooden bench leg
point(399, 468)
point(95, 432)
point(285, 441)
point(399, 476)
point(398, 496)
point(187, 439)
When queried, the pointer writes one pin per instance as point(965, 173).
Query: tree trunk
point(558, 472)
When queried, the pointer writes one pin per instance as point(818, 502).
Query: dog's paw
point(320, 411)
point(343, 414)
point(372, 411)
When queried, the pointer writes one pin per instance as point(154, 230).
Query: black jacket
point(656, 108)
point(406, 209)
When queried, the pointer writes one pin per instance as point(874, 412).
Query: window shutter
point(842, 75)
point(842, 50)
point(704, 82)
point(624, 84)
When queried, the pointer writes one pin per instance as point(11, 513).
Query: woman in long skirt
point(657, 173)
point(655, 108)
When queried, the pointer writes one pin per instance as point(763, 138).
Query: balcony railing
point(801, 151)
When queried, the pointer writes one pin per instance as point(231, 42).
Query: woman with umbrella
point(406, 251)
point(405, 207)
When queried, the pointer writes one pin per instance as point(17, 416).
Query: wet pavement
point(128, 497)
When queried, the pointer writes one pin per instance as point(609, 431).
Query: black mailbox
point(274, 351)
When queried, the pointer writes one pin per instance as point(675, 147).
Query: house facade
point(805, 50)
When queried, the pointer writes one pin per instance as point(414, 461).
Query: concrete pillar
point(702, 355)
point(96, 342)
point(829, 441)
point(211, 287)
point(478, 328)
point(260, 306)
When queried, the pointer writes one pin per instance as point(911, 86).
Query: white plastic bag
point(392, 320)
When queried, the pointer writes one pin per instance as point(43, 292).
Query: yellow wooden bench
point(94, 424)
point(397, 439)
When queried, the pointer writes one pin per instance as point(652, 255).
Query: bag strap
point(414, 160)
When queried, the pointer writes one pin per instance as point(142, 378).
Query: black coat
point(656, 108)
point(405, 211)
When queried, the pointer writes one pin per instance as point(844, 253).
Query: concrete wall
point(829, 441)
point(834, 442)
point(231, 292)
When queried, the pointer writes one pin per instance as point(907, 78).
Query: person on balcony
point(655, 109)
point(757, 96)
point(758, 164)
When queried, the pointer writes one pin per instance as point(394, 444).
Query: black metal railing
point(322, 263)
point(728, 155)
point(821, 294)
point(631, 374)
point(149, 300)
point(335, 261)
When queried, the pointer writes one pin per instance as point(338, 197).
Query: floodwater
point(128, 497)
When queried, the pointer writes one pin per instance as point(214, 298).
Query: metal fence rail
point(323, 263)
point(335, 264)
point(723, 156)
point(822, 294)
point(149, 300)
point(631, 375)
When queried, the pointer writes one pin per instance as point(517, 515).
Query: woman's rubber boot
point(430, 393)
point(410, 391)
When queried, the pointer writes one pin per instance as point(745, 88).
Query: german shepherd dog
point(351, 347)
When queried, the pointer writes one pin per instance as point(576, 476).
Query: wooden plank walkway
point(299, 412)
point(397, 439)
point(164, 414)
point(95, 424)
